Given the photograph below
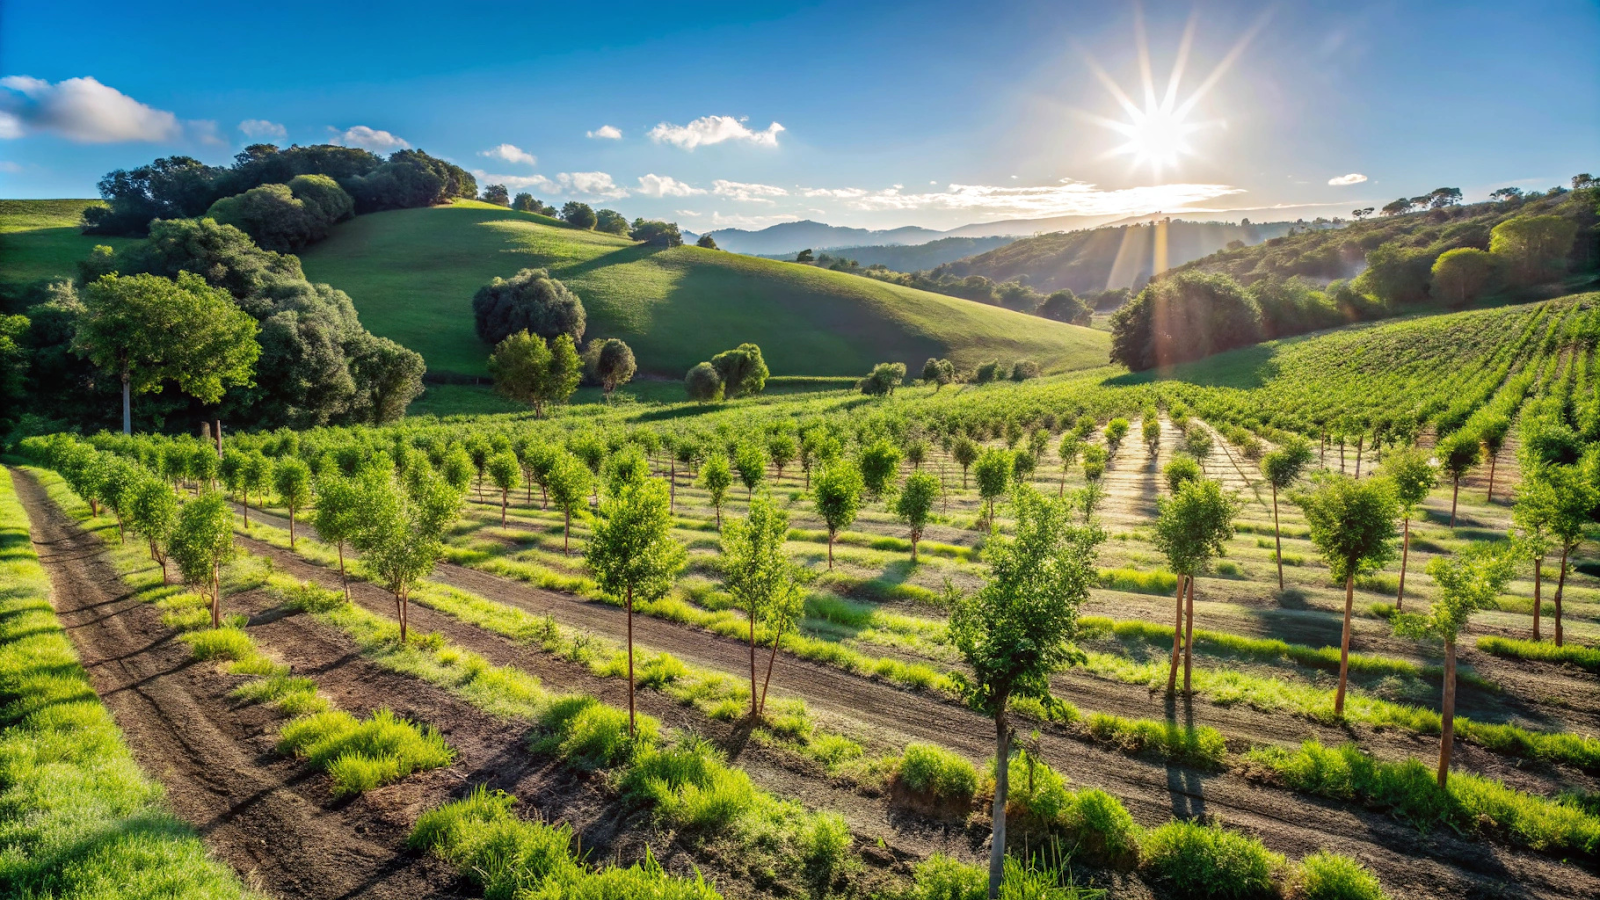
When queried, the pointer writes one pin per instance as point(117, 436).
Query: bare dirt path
point(1411, 864)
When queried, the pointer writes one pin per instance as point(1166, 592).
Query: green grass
point(1196, 860)
point(77, 816)
point(39, 240)
point(1329, 876)
point(1202, 747)
point(506, 856)
point(361, 755)
point(938, 773)
point(1470, 803)
point(1543, 651)
point(412, 274)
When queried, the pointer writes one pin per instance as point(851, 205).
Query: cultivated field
point(867, 764)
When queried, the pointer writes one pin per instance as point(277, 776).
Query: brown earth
point(1437, 864)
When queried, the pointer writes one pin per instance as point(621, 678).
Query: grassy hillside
point(1109, 257)
point(412, 274)
point(39, 239)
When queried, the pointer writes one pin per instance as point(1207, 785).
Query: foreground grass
point(358, 755)
point(1470, 804)
point(77, 816)
point(1587, 658)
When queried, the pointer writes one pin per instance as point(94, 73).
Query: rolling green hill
point(39, 239)
point(412, 274)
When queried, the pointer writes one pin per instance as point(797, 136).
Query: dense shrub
point(530, 300)
point(937, 773)
point(1195, 860)
point(1183, 317)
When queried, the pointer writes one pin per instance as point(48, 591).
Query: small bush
point(392, 747)
point(219, 643)
point(357, 773)
point(938, 773)
point(1330, 876)
point(313, 598)
point(591, 735)
point(833, 750)
point(1195, 860)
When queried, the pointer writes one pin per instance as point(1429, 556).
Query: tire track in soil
point(264, 814)
point(1410, 864)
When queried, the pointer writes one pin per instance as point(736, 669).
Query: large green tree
point(742, 369)
point(146, 331)
point(1017, 630)
point(528, 301)
point(632, 552)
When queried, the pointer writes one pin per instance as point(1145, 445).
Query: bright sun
point(1157, 131)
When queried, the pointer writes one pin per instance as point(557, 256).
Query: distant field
point(412, 274)
point(39, 239)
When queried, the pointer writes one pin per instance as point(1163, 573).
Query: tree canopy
point(529, 301)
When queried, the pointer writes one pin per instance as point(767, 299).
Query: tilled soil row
point(1411, 864)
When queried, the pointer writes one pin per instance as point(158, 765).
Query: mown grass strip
point(77, 816)
point(1587, 658)
point(1470, 804)
point(370, 753)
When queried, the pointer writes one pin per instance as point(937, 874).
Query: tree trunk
point(916, 535)
point(246, 510)
point(1490, 497)
point(216, 598)
point(1561, 583)
point(1538, 566)
point(1405, 555)
point(630, 661)
point(672, 486)
point(1455, 493)
point(1447, 713)
point(566, 531)
point(1188, 637)
point(1344, 642)
point(1002, 784)
point(504, 499)
point(1277, 535)
point(830, 548)
point(963, 478)
point(767, 681)
point(719, 516)
point(1341, 454)
point(1360, 443)
point(291, 529)
point(1177, 640)
point(127, 402)
point(402, 600)
point(343, 578)
point(755, 714)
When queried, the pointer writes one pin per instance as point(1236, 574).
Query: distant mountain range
point(792, 237)
point(913, 257)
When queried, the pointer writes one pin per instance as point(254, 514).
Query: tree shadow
point(1185, 785)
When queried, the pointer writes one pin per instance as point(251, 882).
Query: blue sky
point(867, 114)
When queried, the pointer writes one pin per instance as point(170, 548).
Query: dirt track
point(1410, 864)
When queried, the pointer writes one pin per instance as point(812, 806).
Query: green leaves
point(1352, 522)
point(1413, 475)
point(631, 548)
point(1194, 524)
point(837, 489)
point(1469, 581)
point(1017, 628)
point(1284, 466)
point(203, 538)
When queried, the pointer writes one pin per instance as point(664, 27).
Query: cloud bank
point(654, 185)
point(82, 110)
point(744, 191)
point(1343, 180)
point(714, 130)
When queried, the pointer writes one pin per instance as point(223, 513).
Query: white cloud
point(80, 109)
point(516, 182)
point(205, 131)
point(510, 153)
point(263, 130)
point(653, 185)
point(369, 139)
point(9, 167)
point(1067, 197)
point(714, 130)
point(687, 213)
point(1352, 178)
point(747, 192)
point(590, 184)
point(718, 220)
point(606, 133)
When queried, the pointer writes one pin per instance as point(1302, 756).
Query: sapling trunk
point(1002, 784)
point(291, 528)
point(767, 681)
point(216, 598)
point(1538, 566)
point(566, 531)
point(1188, 637)
point(830, 546)
point(1177, 640)
point(1405, 555)
point(1277, 535)
point(755, 714)
point(1360, 441)
point(1447, 713)
point(630, 661)
point(344, 579)
point(1455, 493)
point(504, 499)
point(1490, 497)
point(1561, 583)
point(1344, 642)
